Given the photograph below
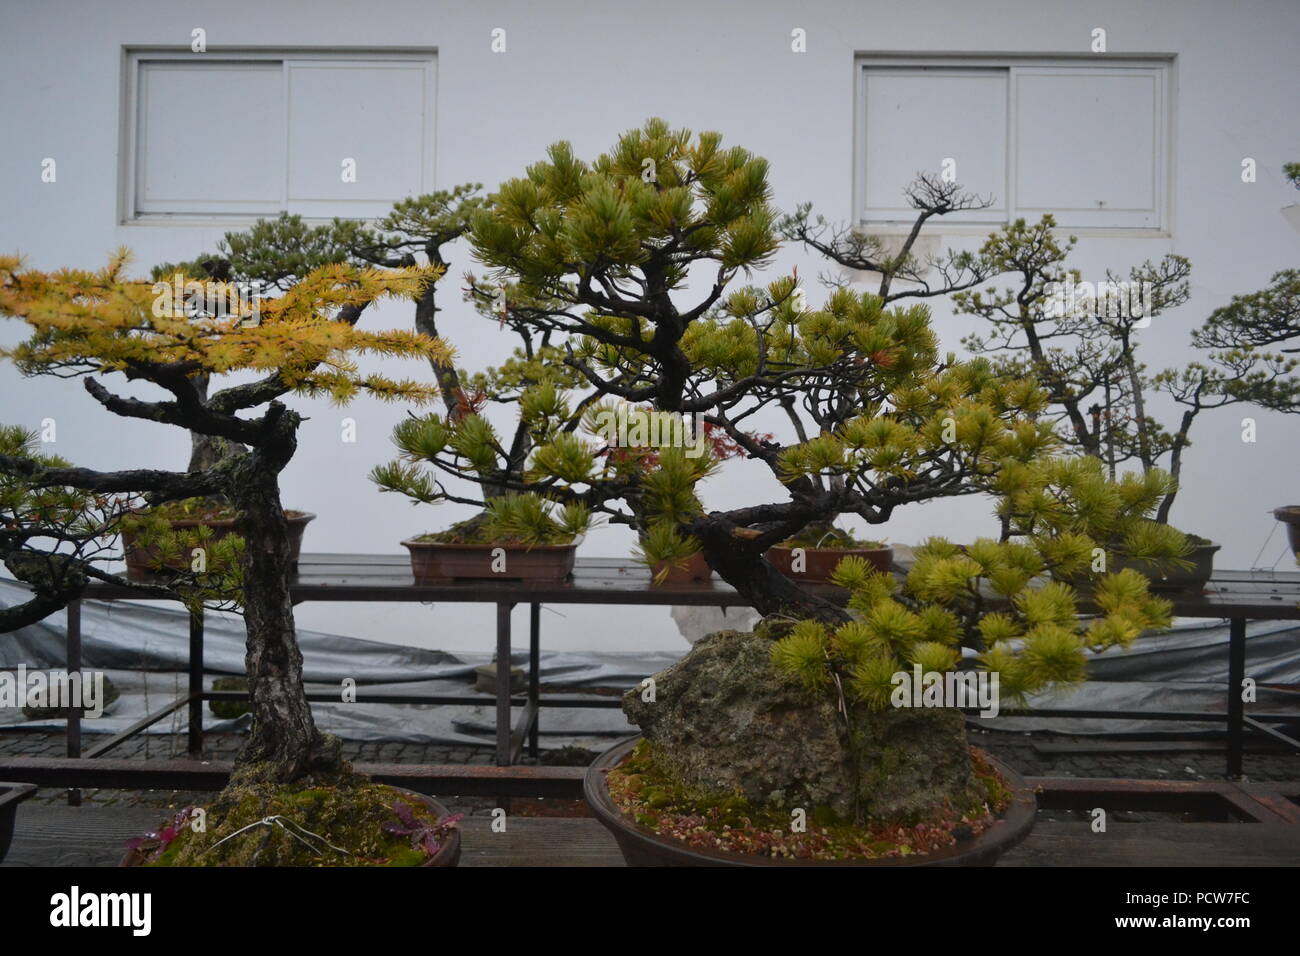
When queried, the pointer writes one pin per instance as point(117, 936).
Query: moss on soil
point(346, 810)
point(652, 798)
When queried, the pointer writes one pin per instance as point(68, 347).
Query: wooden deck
point(48, 835)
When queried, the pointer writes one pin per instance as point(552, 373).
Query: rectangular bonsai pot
point(435, 562)
point(820, 563)
point(141, 561)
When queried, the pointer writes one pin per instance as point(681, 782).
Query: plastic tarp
point(143, 649)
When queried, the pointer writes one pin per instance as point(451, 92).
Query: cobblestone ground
point(1032, 754)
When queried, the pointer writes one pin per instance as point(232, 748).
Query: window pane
point(1088, 146)
point(210, 137)
point(918, 118)
point(368, 112)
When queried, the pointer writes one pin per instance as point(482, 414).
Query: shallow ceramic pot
point(819, 563)
point(644, 847)
point(140, 561)
point(434, 562)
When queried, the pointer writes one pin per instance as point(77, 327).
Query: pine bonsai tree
point(54, 539)
point(98, 324)
point(877, 418)
point(1082, 342)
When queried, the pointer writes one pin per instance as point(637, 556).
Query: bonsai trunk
point(766, 589)
point(284, 744)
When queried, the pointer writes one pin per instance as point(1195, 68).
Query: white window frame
point(1161, 66)
point(133, 60)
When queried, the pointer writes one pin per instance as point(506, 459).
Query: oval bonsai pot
point(11, 794)
point(1290, 516)
point(819, 563)
point(436, 562)
point(140, 561)
point(1175, 578)
point(643, 847)
point(448, 854)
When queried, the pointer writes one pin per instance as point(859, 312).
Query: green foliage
point(998, 598)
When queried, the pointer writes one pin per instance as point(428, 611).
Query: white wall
point(585, 72)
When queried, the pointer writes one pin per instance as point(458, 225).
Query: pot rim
point(414, 543)
point(293, 517)
point(1006, 831)
point(848, 551)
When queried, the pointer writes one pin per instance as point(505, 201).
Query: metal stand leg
point(503, 684)
point(196, 684)
point(534, 675)
point(74, 710)
point(1236, 707)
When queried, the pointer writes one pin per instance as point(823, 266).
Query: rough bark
point(766, 589)
point(284, 743)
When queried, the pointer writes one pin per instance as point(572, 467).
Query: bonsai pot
point(644, 847)
point(448, 853)
point(140, 561)
point(11, 794)
point(693, 571)
point(1290, 516)
point(819, 563)
point(436, 562)
point(1174, 577)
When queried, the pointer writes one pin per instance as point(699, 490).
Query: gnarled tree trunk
point(284, 744)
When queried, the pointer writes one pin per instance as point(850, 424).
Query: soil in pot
point(346, 820)
point(659, 822)
point(144, 562)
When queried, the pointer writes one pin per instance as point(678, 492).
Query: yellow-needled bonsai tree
point(102, 326)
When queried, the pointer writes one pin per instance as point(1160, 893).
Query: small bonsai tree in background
point(97, 324)
point(54, 539)
point(1082, 342)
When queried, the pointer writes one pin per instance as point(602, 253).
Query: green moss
point(654, 799)
point(340, 820)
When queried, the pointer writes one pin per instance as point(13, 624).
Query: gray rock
point(726, 721)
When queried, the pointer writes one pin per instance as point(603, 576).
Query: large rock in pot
point(725, 720)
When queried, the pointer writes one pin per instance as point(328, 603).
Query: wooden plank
point(180, 774)
point(52, 835)
point(549, 841)
point(55, 835)
point(1159, 844)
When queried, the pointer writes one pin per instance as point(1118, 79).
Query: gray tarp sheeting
point(143, 648)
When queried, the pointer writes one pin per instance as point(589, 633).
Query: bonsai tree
point(54, 539)
point(877, 418)
point(1082, 343)
point(98, 324)
point(613, 251)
